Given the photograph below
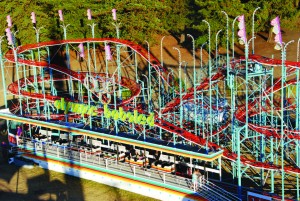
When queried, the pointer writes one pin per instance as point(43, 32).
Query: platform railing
point(204, 188)
point(220, 190)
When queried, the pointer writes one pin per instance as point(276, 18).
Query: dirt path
point(262, 47)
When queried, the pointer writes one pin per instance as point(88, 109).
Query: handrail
point(206, 187)
point(215, 187)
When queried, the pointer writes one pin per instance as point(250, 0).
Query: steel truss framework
point(240, 108)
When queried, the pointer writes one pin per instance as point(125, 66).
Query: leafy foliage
point(141, 20)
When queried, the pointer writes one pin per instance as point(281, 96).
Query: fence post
point(164, 177)
point(220, 168)
point(106, 163)
point(133, 170)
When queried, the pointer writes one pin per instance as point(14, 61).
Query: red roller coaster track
point(163, 72)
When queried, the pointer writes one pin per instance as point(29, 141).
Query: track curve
point(163, 73)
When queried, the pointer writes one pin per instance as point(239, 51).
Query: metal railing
point(75, 153)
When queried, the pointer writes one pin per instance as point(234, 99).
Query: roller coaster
point(240, 117)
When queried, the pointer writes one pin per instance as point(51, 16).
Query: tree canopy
point(141, 20)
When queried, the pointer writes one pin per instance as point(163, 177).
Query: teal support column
point(119, 71)
point(70, 84)
point(136, 66)
point(245, 127)
point(227, 44)
point(148, 93)
point(18, 79)
point(89, 56)
point(194, 83)
point(233, 35)
point(149, 74)
point(217, 51)
point(297, 128)
point(272, 139)
point(210, 83)
point(180, 86)
point(26, 88)
point(94, 46)
point(283, 124)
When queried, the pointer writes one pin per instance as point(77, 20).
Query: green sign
point(75, 107)
point(128, 116)
point(82, 109)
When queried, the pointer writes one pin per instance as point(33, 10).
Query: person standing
point(195, 180)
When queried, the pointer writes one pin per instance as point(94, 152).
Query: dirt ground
point(261, 47)
point(39, 184)
point(21, 183)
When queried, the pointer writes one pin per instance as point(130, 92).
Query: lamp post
point(17, 73)
point(116, 24)
point(195, 81)
point(217, 45)
point(185, 74)
point(227, 43)
point(194, 58)
point(202, 111)
point(201, 55)
point(233, 35)
point(149, 70)
point(94, 47)
point(171, 86)
point(297, 119)
point(161, 51)
point(168, 78)
point(209, 74)
point(2, 72)
point(253, 15)
point(159, 101)
point(37, 33)
point(237, 137)
point(65, 29)
point(246, 58)
point(282, 125)
point(68, 57)
point(180, 85)
point(12, 44)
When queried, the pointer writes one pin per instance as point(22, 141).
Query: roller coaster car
point(163, 166)
point(140, 161)
point(253, 68)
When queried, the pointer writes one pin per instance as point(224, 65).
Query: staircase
point(210, 191)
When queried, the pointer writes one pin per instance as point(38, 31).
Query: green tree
point(142, 19)
point(139, 20)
